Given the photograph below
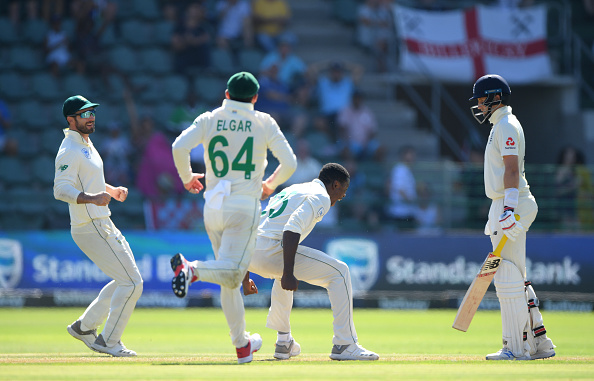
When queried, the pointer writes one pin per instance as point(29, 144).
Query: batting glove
point(510, 227)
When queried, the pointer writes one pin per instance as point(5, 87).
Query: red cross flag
point(463, 45)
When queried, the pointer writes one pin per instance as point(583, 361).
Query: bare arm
point(511, 176)
point(290, 243)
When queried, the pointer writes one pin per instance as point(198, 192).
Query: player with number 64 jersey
point(236, 140)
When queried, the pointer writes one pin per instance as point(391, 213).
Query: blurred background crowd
point(323, 65)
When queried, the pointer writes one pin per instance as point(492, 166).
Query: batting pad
point(515, 318)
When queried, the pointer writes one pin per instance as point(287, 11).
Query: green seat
point(136, 33)
point(210, 89)
point(35, 31)
point(26, 58)
point(8, 34)
point(249, 60)
point(123, 59)
point(174, 88)
point(46, 87)
point(43, 169)
point(163, 31)
point(156, 61)
point(14, 172)
point(77, 84)
point(14, 86)
point(222, 62)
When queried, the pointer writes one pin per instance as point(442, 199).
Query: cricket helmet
point(489, 86)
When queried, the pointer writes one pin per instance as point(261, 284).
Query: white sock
point(283, 336)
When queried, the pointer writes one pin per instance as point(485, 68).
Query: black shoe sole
point(178, 284)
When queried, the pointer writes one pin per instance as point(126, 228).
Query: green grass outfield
point(193, 344)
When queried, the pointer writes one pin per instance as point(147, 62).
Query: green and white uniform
point(79, 168)
point(236, 139)
point(297, 209)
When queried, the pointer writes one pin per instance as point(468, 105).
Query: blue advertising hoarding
point(49, 261)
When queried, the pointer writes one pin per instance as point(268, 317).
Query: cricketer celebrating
point(236, 139)
point(80, 182)
point(289, 218)
point(524, 335)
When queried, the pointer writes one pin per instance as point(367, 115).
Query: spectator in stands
point(274, 96)
point(235, 27)
point(182, 117)
point(51, 9)
point(270, 20)
point(87, 48)
point(308, 167)
point(427, 213)
point(8, 145)
point(291, 68)
point(402, 190)
point(116, 150)
point(376, 32)
point(15, 10)
point(156, 175)
point(57, 50)
point(321, 138)
point(567, 182)
point(335, 86)
point(358, 131)
point(192, 41)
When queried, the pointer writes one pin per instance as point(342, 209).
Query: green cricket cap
point(243, 85)
point(76, 103)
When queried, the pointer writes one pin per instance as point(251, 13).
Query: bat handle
point(499, 247)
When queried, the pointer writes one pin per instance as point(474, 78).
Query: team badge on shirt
point(86, 153)
point(62, 168)
point(320, 213)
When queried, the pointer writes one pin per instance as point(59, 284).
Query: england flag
point(463, 45)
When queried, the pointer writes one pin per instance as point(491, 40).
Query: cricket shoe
point(544, 349)
point(286, 349)
point(118, 350)
point(87, 337)
point(352, 352)
point(246, 354)
point(184, 275)
point(506, 354)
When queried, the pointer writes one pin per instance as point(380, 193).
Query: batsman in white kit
point(523, 331)
point(236, 140)
point(288, 219)
point(80, 182)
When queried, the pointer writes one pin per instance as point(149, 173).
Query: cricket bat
point(478, 288)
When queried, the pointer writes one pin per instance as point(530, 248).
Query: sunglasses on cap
point(86, 114)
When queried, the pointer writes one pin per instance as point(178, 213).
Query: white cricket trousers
point(509, 279)
point(314, 267)
point(105, 245)
point(232, 231)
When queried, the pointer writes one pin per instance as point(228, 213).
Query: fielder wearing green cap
point(236, 139)
point(76, 103)
point(80, 182)
point(242, 87)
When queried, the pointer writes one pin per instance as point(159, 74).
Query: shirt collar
point(228, 103)
point(319, 182)
point(499, 114)
point(76, 137)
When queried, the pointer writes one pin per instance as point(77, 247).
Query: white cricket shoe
point(544, 349)
point(87, 337)
point(506, 354)
point(286, 349)
point(118, 350)
point(183, 275)
point(352, 352)
point(246, 354)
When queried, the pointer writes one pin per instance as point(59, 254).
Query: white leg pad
point(541, 346)
point(515, 318)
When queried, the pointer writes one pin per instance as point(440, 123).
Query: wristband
point(511, 198)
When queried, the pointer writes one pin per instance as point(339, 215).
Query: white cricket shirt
point(236, 139)
point(79, 168)
point(506, 138)
point(297, 208)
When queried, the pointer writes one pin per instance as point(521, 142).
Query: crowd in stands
point(319, 106)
